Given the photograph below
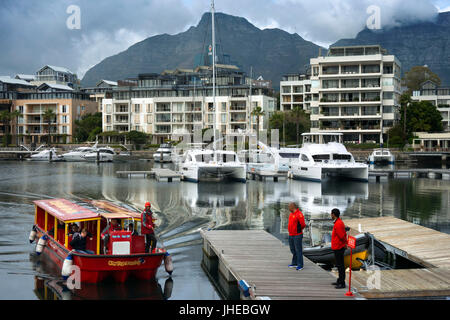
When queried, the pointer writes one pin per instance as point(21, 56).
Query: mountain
point(417, 44)
point(271, 52)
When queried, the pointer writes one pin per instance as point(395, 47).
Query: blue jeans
point(296, 246)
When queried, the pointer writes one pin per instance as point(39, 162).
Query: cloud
point(36, 32)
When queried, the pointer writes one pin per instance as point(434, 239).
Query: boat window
point(228, 158)
point(304, 158)
point(321, 157)
point(289, 155)
point(203, 157)
point(342, 157)
point(106, 151)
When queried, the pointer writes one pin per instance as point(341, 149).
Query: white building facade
point(295, 91)
point(439, 97)
point(355, 91)
point(168, 111)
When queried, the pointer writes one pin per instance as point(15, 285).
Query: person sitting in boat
point(114, 225)
point(148, 228)
point(131, 229)
point(74, 230)
point(78, 242)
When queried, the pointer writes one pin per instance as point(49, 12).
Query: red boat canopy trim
point(65, 210)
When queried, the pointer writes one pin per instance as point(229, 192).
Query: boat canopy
point(65, 210)
point(114, 211)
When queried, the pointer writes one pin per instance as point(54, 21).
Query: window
point(304, 158)
point(64, 109)
point(64, 119)
point(388, 95)
point(321, 157)
point(137, 108)
point(64, 130)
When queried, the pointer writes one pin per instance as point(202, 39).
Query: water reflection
point(53, 289)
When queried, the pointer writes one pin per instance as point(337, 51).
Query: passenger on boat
point(295, 227)
point(339, 245)
point(148, 228)
point(78, 242)
point(74, 230)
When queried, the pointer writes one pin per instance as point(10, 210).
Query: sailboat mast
point(214, 70)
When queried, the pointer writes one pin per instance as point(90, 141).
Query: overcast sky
point(35, 33)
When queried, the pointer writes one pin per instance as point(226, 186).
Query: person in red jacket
point(339, 245)
point(148, 228)
point(295, 228)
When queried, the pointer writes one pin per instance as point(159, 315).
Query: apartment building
point(68, 106)
point(101, 91)
point(295, 91)
point(178, 102)
point(355, 91)
point(56, 75)
point(438, 96)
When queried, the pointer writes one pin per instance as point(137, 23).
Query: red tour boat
point(125, 256)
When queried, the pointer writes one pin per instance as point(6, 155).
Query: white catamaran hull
point(318, 173)
point(214, 173)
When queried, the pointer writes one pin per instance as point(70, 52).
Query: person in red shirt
point(148, 228)
point(295, 228)
point(339, 245)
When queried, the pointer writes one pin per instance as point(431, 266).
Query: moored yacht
point(163, 154)
point(209, 165)
point(323, 155)
point(78, 154)
point(381, 156)
point(104, 154)
point(47, 155)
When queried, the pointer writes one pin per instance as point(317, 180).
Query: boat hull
point(96, 268)
point(318, 173)
point(325, 255)
point(215, 173)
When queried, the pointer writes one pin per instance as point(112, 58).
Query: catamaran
point(202, 164)
point(323, 155)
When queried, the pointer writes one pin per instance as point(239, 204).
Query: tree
point(421, 116)
point(5, 118)
point(48, 116)
point(418, 75)
point(88, 127)
point(301, 120)
point(258, 113)
point(137, 137)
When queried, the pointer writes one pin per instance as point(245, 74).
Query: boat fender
point(245, 288)
point(66, 270)
point(168, 263)
point(33, 234)
point(41, 244)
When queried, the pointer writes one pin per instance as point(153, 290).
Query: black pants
point(339, 255)
point(150, 240)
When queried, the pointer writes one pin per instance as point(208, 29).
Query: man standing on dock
point(339, 245)
point(295, 228)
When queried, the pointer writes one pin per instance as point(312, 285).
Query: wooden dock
point(262, 261)
point(424, 246)
point(161, 175)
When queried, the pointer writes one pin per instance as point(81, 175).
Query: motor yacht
point(381, 156)
point(47, 155)
point(78, 154)
point(163, 154)
point(323, 155)
point(104, 154)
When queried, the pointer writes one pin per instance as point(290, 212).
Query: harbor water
point(183, 209)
